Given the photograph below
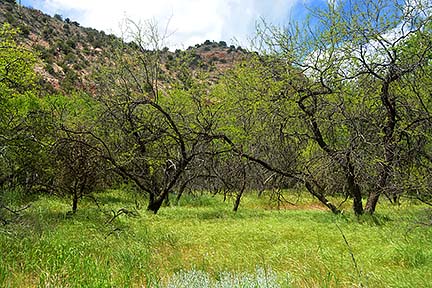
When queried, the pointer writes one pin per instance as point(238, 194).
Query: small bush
point(197, 278)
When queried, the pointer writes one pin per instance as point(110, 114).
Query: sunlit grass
point(302, 245)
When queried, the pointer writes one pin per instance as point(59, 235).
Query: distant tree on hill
point(58, 17)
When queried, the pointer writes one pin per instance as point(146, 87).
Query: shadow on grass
point(365, 219)
point(38, 220)
point(109, 199)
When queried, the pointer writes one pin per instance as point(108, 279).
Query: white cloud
point(190, 21)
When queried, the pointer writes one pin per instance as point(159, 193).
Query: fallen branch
point(112, 232)
point(120, 212)
point(16, 212)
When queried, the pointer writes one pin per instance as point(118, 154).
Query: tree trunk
point(75, 202)
point(353, 187)
point(156, 200)
point(237, 201)
point(181, 190)
point(242, 189)
point(321, 198)
point(389, 148)
point(155, 204)
point(238, 197)
point(159, 195)
point(384, 174)
point(167, 200)
point(354, 190)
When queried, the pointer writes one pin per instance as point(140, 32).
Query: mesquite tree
point(352, 97)
point(151, 133)
point(79, 167)
point(344, 98)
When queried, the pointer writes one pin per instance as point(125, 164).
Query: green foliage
point(20, 123)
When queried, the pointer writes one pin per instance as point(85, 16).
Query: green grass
point(201, 242)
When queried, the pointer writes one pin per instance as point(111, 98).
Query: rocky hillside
point(69, 53)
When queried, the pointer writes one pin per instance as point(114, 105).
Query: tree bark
point(75, 202)
point(242, 189)
point(181, 190)
point(155, 204)
point(354, 189)
point(385, 168)
point(321, 198)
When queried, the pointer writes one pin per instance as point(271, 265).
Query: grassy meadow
point(200, 242)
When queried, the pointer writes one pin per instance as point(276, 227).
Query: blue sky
point(189, 22)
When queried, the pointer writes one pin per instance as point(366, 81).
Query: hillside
point(69, 52)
